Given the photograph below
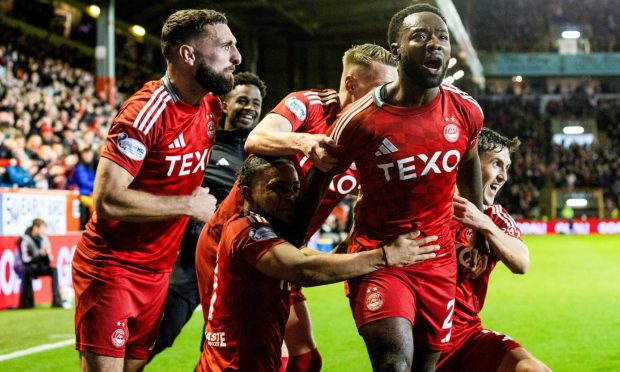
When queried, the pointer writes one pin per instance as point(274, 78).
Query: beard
point(212, 81)
point(419, 77)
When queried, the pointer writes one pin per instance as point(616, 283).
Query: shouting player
point(472, 347)
point(250, 301)
point(146, 188)
point(297, 126)
point(411, 140)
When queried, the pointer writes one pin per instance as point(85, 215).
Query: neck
point(406, 93)
point(186, 87)
point(344, 98)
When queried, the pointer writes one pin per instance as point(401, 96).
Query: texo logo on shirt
point(188, 165)
point(406, 168)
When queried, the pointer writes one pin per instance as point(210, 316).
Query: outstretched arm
point(273, 136)
point(286, 262)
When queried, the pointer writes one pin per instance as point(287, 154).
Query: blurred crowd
point(50, 121)
point(540, 163)
point(533, 26)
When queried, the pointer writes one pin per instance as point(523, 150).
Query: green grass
point(565, 311)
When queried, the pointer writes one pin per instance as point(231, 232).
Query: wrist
point(385, 257)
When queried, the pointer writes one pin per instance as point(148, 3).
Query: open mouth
point(494, 187)
point(433, 65)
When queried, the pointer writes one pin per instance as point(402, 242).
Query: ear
point(245, 192)
point(395, 50)
point(350, 83)
point(224, 107)
point(187, 55)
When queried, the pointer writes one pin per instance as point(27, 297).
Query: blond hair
point(366, 54)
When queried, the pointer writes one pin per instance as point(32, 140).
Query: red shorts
point(422, 294)
point(118, 312)
point(296, 294)
point(480, 350)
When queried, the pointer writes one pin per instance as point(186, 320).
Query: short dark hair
point(366, 54)
point(253, 166)
point(489, 140)
point(38, 222)
point(248, 78)
point(184, 26)
point(396, 23)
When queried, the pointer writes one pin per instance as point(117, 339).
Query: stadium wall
point(587, 227)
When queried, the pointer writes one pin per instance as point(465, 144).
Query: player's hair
point(37, 222)
point(489, 140)
point(248, 78)
point(396, 23)
point(184, 26)
point(254, 165)
point(366, 54)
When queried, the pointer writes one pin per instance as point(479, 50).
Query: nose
point(502, 175)
point(235, 56)
point(434, 43)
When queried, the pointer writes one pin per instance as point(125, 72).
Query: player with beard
point(412, 141)
point(474, 348)
point(146, 188)
point(250, 301)
point(297, 126)
point(242, 106)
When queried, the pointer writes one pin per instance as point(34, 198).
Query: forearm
point(274, 143)
point(330, 268)
point(139, 206)
point(510, 250)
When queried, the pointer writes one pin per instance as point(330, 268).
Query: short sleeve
point(133, 133)
point(302, 109)
point(350, 137)
point(254, 240)
point(503, 220)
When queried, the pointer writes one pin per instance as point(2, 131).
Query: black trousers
point(34, 270)
point(183, 297)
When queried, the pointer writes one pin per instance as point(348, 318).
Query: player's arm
point(113, 199)
point(469, 177)
point(286, 262)
point(510, 250)
point(274, 136)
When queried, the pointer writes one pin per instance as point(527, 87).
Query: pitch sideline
point(36, 349)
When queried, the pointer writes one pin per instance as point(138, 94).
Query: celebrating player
point(297, 126)
point(472, 347)
point(411, 140)
point(250, 301)
point(242, 106)
point(146, 188)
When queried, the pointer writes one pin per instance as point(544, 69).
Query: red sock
point(283, 364)
point(308, 362)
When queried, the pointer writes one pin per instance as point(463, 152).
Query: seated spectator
point(83, 177)
point(35, 253)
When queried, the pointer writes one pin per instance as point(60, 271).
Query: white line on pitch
point(36, 349)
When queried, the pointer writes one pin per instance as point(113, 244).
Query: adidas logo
point(386, 148)
point(178, 142)
point(223, 162)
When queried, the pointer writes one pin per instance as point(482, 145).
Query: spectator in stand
point(35, 253)
point(83, 177)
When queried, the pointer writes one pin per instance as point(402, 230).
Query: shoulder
point(463, 99)
point(213, 103)
point(145, 107)
point(503, 219)
point(352, 115)
point(251, 225)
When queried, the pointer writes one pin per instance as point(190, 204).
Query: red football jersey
point(407, 160)
point(164, 143)
point(248, 310)
point(471, 293)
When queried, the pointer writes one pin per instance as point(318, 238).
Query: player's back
point(407, 160)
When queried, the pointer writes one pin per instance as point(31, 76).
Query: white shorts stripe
point(145, 108)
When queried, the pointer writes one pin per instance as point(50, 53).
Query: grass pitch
point(564, 311)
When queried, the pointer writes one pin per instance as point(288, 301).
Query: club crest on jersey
point(118, 338)
point(451, 132)
point(132, 148)
point(262, 233)
point(211, 129)
point(297, 107)
point(374, 300)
